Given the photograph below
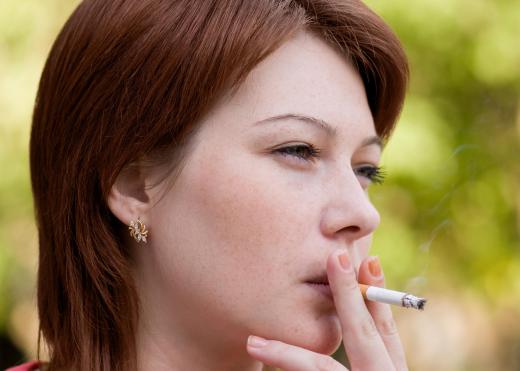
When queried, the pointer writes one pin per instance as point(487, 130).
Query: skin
point(246, 224)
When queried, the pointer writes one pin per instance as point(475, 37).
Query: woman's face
point(249, 221)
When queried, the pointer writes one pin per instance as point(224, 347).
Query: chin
point(323, 335)
point(325, 344)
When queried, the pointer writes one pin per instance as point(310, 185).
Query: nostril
point(352, 229)
point(356, 219)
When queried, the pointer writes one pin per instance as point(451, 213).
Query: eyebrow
point(320, 124)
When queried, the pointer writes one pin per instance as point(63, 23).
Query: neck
point(174, 337)
point(158, 353)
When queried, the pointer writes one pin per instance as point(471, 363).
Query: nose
point(348, 211)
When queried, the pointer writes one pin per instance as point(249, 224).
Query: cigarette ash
point(411, 301)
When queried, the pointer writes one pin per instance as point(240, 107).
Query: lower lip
point(321, 288)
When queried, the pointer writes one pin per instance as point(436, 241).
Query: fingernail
point(374, 267)
point(344, 261)
point(256, 341)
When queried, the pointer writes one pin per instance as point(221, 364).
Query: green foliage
point(453, 159)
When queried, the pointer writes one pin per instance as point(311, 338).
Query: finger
point(290, 357)
point(363, 344)
point(370, 273)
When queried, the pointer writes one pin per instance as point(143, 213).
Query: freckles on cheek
point(248, 212)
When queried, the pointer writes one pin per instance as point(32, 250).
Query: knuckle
point(368, 327)
point(387, 327)
point(325, 363)
point(350, 284)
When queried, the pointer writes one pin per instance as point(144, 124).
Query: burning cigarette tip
point(411, 301)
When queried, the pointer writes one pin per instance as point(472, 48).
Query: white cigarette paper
point(387, 296)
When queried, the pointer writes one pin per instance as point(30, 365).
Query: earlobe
point(128, 198)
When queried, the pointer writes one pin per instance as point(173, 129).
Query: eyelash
point(312, 152)
point(375, 174)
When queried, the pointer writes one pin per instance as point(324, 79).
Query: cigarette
point(398, 298)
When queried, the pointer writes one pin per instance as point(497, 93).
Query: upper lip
point(319, 278)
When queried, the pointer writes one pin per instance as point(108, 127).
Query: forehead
point(308, 77)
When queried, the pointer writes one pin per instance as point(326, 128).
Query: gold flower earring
point(138, 230)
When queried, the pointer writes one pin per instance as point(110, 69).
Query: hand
point(370, 336)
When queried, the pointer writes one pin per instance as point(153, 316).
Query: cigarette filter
point(401, 299)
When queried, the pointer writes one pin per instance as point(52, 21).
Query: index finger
point(363, 344)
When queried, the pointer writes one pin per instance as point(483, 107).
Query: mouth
point(320, 279)
point(320, 284)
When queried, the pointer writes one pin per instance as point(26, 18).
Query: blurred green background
point(450, 206)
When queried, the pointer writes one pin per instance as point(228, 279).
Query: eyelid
point(372, 172)
point(313, 151)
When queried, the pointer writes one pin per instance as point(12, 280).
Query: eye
point(301, 151)
point(375, 174)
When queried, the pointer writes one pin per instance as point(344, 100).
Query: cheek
point(251, 212)
point(236, 223)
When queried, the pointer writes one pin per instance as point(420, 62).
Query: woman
point(200, 173)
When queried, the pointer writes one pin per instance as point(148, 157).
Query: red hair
point(131, 78)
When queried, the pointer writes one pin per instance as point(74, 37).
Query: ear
point(128, 198)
